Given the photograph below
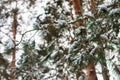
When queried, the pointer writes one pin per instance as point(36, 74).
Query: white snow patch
point(10, 44)
point(104, 36)
point(89, 13)
point(113, 11)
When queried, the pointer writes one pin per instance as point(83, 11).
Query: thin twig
point(23, 36)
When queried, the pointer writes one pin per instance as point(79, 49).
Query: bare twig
point(23, 36)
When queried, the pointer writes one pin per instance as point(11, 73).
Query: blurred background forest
point(59, 39)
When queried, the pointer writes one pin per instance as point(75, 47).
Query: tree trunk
point(91, 73)
point(13, 66)
point(93, 7)
point(78, 10)
point(14, 30)
point(77, 4)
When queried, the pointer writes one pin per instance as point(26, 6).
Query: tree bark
point(77, 4)
point(14, 30)
point(91, 73)
point(93, 7)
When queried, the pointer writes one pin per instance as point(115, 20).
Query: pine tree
point(9, 25)
point(59, 28)
point(75, 35)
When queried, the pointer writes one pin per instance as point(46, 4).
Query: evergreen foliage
point(66, 47)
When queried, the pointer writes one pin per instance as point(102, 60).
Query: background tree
point(61, 47)
point(94, 38)
point(11, 20)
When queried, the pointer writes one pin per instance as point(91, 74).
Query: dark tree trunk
point(14, 30)
point(78, 12)
point(91, 73)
